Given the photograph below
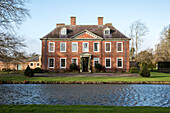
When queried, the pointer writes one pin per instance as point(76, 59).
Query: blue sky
point(121, 13)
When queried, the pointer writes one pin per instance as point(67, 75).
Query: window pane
point(107, 46)
point(119, 62)
point(96, 61)
point(37, 64)
point(74, 60)
point(62, 47)
point(51, 62)
point(96, 46)
point(85, 47)
point(62, 62)
point(119, 46)
point(107, 32)
point(74, 47)
point(51, 46)
point(107, 62)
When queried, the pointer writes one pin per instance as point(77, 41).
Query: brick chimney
point(100, 20)
point(60, 24)
point(73, 20)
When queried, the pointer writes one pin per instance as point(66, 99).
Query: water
point(93, 94)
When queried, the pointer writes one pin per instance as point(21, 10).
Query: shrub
point(29, 72)
point(6, 69)
point(73, 66)
point(134, 70)
point(38, 70)
point(144, 71)
point(98, 67)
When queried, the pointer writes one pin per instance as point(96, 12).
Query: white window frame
point(96, 59)
point(37, 65)
point(32, 63)
point(122, 62)
point(97, 46)
point(110, 62)
point(60, 62)
point(110, 46)
point(50, 46)
point(64, 31)
point(65, 46)
point(87, 47)
point(49, 62)
point(76, 60)
point(108, 30)
point(72, 46)
point(121, 46)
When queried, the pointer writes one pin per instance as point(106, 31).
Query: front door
point(85, 64)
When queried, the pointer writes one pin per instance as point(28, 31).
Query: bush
point(98, 67)
point(29, 72)
point(38, 70)
point(144, 71)
point(73, 66)
point(6, 69)
point(134, 70)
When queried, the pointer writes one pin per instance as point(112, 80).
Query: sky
point(45, 14)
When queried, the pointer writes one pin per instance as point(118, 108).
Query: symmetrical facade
point(85, 45)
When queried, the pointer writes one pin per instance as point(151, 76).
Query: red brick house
point(85, 45)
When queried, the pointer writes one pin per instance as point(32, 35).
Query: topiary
point(29, 72)
point(98, 66)
point(38, 70)
point(134, 70)
point(73, 66)
point(144, 71)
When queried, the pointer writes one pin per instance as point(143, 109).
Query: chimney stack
point(73, 20)
point(60, 24)
point(100, 20)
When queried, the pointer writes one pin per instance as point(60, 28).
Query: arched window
point(63, 31)
point(107, 31)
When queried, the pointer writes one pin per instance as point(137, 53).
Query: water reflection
point(74, 94)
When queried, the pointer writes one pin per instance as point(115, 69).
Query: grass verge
point(155, 76)
point(79, 109)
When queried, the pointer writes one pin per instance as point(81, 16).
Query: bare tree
point(137, 31)
point(12, 12)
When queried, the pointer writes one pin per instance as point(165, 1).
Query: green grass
point(79, 109)
point(155, 76)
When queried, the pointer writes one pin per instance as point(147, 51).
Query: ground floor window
point(120, 62)
point(62, 62)
point(96, 61)
point(108, 62)
point(51, 62)
point(31, 64)
point(38, 64)
point(74, 60)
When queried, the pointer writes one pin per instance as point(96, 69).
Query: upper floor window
point(63, 31)
point(119, 62)
point(74, 47)
point(96, 47)
point(62, 46)
point(119, 47)
point(107, 46)
point(107, 31)
point(51, 46)
point(85, 47)
point(38, 64)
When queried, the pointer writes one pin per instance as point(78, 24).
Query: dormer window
point(107, 31)
point(63, 31)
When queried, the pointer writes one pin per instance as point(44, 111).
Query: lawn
point(155, 76)
point(79, 109)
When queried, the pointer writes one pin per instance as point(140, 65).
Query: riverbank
point(155, 78)
point(79, 109)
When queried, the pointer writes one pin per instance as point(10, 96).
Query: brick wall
point(101, 54)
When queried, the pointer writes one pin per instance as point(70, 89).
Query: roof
point(34, 59)
point(75, 29)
